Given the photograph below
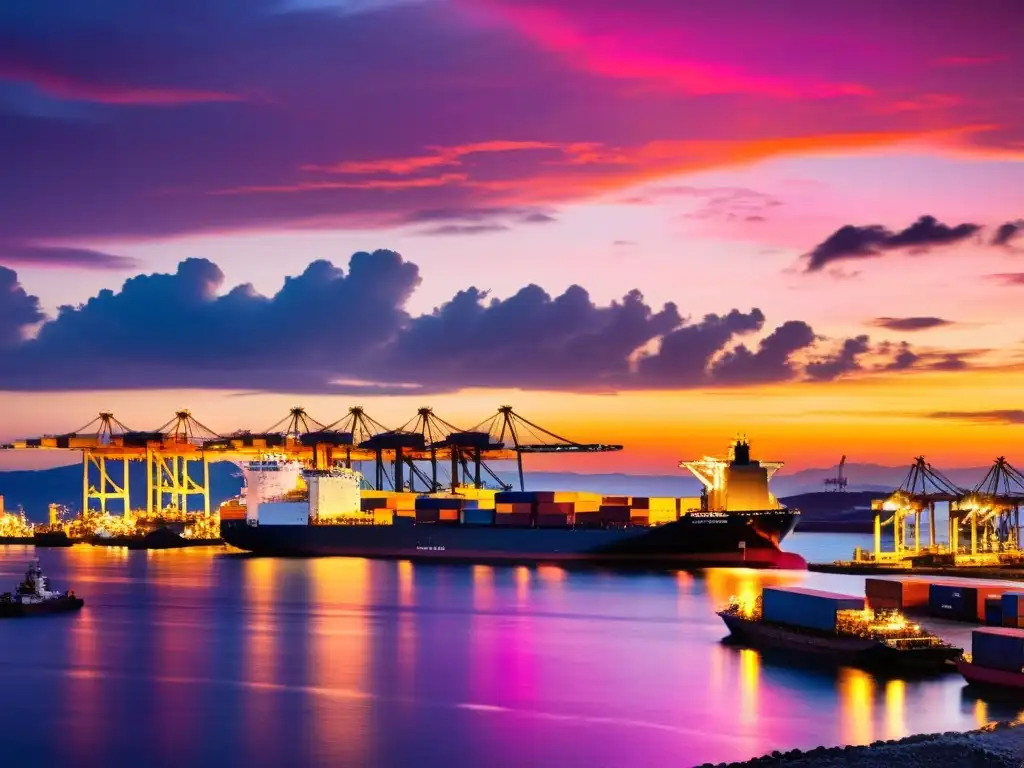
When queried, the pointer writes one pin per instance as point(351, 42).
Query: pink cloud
point(437, 156)
point(648, 51)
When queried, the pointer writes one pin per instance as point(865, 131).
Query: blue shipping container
point(430, 502)
point(1011, 605)
point(953, 601)
point(994, 611)
point(807, 608)
point(515, 497)
point(998, 648)
point(476, 516)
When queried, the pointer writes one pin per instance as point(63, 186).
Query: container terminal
point(406, 487)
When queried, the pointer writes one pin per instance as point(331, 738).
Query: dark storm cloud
point(845, 360)
point(335, 330)
point(982, 417)
point(59, 256)
point(910, 323)
point(1008, 232)
point(852, 242)
point(18, 310)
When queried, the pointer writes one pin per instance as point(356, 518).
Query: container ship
point(289, 510)
point(838, 627)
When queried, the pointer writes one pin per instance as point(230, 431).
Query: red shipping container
point(983, 592)
point(373, 504)
point(638, 520)
point(641, 502)
point(896, 594)
point(517, 519)
point(555, 508)
point(555, 521)
point(543, 496)
point(518, 508)
point(449, 515)
point(614, 513)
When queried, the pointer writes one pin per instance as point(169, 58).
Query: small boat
point(883, 640)
point(33, 597)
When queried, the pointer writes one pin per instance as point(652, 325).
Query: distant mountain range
point(34, 490)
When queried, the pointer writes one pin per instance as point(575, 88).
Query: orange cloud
point(438, 156)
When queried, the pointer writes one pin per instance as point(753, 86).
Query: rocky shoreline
point(999, 745)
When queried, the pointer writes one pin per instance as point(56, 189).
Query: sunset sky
point(651, 222)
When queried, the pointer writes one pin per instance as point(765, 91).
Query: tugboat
point(33, 596)
point(837, 627)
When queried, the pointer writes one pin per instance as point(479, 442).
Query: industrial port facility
point(425, 455)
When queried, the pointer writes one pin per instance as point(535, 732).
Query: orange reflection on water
point(260, 644)
point(405, 583)
point(522, 583)
point(551, 574)
point(483, 587)
point(750, 673)
point(980, 713)
point(83, 683)
point(895, 709)
point(340, 635)
point(856, 697)
point(723, 583)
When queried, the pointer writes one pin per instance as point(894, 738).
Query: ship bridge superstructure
point(736, 483)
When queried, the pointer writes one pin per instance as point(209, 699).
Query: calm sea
point(200, 658)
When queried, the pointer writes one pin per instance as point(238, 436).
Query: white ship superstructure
point(267, 479)
point(281, 491)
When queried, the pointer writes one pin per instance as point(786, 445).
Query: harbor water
point(203, 658)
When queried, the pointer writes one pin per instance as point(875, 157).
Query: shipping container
point(615, 501)
point(896, 594)
point(555, 508)
point(528, 497)
point(959, 601)
point(518, 508)
point(640, 502)
point(1013, 609)
point(614, 513)
point(555, 520)
point(639, 520)
point(383, 516)
point(438, 502)
point(367, 504)
point(588, 505)
point(806, 608)
point(998, 648)
point(477, 516)
point(447, 515)
point(428, 515)
point(517, 519)
point(994, 611)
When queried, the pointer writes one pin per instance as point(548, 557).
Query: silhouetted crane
point(839, 481)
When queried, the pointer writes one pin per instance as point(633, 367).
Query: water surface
point(199, 658)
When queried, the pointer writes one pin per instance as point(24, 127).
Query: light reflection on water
point(197, 658)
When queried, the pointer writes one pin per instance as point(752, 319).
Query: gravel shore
point(1000, 745)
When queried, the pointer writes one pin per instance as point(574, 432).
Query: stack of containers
point(515, 508)
point(999, 648)
point(556, 509)
point(1012, 609)
point(438, 509)
point(687, 504)
point(896, 594)
point(484, 497)
point(960, 602)
point(806, 608)
point(615, 510)
point(994, 610)
point(662, 510)
point(399, 503)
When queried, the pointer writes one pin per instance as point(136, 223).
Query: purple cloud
point(62, 257)
point(910, 323)
point(852, 242)
point(241, 340)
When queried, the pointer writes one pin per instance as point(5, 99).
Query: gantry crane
point(838, 482)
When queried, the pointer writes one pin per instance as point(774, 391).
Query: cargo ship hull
point(744, 539)
point(857, 651)
point(63, 604)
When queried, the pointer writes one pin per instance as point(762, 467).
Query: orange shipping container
point(518, 508)
point(555, 508)
point(896, 594)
